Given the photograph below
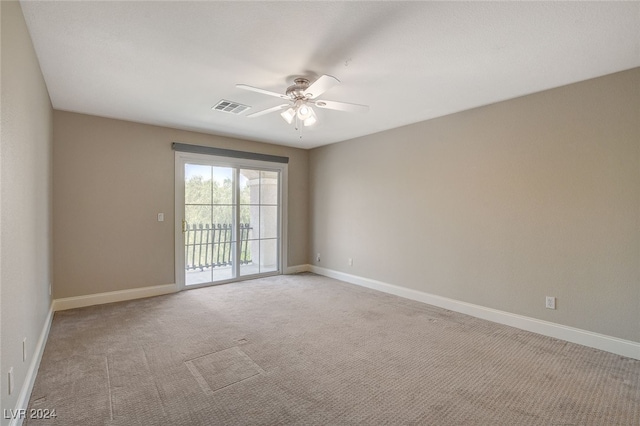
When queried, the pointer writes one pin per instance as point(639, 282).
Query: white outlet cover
point(550, 302)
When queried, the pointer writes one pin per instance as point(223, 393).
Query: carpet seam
point(106, 361)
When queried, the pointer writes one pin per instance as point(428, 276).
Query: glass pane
point(224, 272)
point(269, 188)
point(268, 222)
point(197, 245)
point(222, 245)
point(223, 215)
point(197, 184)
point(197, 215)
point(193, 277)
point(251, 215)
point(268, 255)
point(248, 262)
point(245, 244)
point(222, 185)
point(198, 248)
point(250, 193)
point(246, 178)
point(245, 218)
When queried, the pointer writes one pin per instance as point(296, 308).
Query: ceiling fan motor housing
point(296, 90)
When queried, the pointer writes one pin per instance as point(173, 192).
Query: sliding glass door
point(229, 219)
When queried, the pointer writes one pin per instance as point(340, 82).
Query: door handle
point(184, 226)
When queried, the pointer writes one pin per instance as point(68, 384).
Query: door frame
point(181, 158)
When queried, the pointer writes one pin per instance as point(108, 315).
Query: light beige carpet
point(310, 350)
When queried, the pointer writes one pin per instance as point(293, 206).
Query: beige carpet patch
point(221, 369)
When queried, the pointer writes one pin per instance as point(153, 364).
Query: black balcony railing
point(211, 245)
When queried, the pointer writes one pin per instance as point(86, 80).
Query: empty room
point(319, 213)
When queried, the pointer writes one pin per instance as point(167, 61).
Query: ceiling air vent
point(230, 107)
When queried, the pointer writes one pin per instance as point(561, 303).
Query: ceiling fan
point(302, 96)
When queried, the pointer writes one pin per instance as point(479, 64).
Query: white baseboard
point(575, 335)
point(571, 334)
point(297, 269)
point(112, 296)
point(583, 337)
point(30, 379)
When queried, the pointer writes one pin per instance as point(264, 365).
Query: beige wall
point(111, 179)
point(25, 194)
point(498, 206)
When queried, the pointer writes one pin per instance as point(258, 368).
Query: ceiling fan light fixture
point(311, 120)
point(304, 111)
point(289, 115)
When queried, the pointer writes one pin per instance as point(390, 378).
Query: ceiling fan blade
point(341, 106)
point(267, 111)
point(263, 91)
point(321, 85)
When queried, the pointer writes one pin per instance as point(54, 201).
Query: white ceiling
point(168, 63)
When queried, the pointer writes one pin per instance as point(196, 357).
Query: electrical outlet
point(160, 217)
point(10, 384)
point(350, 261)
point(550, 302)
point(318, 257)
point(24, 349)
